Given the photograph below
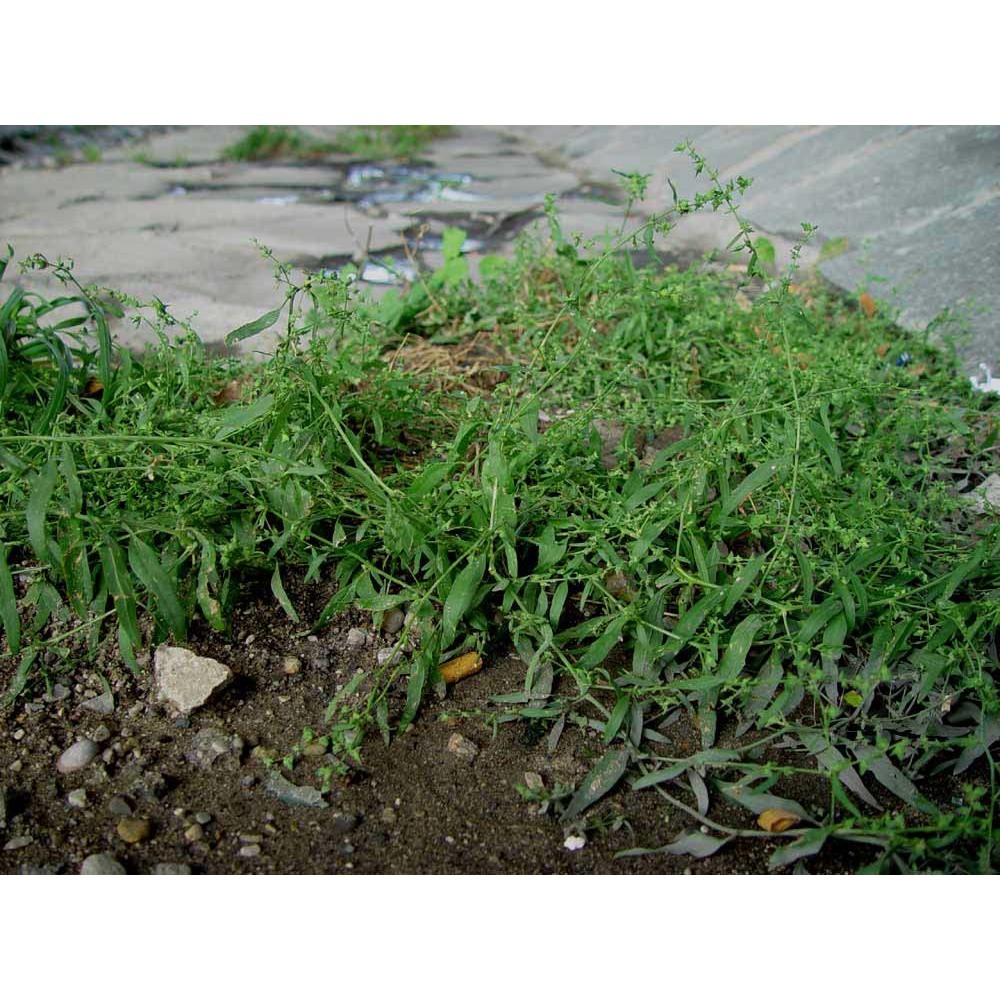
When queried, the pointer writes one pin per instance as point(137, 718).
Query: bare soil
point(413, 807)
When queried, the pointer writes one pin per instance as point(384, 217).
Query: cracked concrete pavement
point(916, 206)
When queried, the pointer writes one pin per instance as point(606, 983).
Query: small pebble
point(389, 815)
point(389, 656)
point(77, 798)
point(101, 864)
point(575, 843)
point(166, 868)
point(134, 829)
point(357, 637)
point(202, 818)
point(193, 833)
point(119, 806)
point(250, 838)
point(103, 704)
point(343, 822)
point(291, 665)
point(18, 734)
point(78, 756)
point(250, 851)
point(59, 693)
point(15, 843)
point(101, 734)
point(247, 781)
point(462, 747)
point(393, 621)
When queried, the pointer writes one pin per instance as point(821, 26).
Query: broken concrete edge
point(185, 680)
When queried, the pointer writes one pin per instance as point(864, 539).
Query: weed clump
point(671, 500)
point(274, 142)
point(389, 142)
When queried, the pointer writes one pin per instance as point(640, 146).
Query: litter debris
point(461, 666)
point(987, 383)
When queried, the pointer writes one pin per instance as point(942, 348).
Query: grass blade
point(120, 588)
point(8, 605)
point(45, 482)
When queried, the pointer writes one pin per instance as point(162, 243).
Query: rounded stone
point(166, 868)
point(77, 798)
point(119, 806)
point(193, 833)
point(78, 756)
point(134, 829)
point(102, 864)
point(393, 621)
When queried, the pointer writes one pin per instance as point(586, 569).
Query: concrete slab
point(917, 206)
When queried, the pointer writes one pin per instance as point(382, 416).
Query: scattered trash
point(460, 667)
point(904, 359)
point(389, 271)
point(777, 820)
point(987, 383)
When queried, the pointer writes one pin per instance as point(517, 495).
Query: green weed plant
point(772, 543)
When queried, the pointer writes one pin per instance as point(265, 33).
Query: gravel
point(102, 864)
point(77, 757)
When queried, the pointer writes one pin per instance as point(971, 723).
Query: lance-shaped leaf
point(598, 783)
point(259, 325)
point(811, 842)
point(460, 597)
point(694, 843)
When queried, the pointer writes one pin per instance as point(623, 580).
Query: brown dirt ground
point(415, 807)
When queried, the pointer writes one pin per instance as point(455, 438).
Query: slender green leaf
point(35, 513)
point(8, 605)
point(461, 596)
point(602, 778)
point(119, 586)
point(278, 589)
point(811, 842)
point(746, 575)
point(145, 563)
point(259, 325)
point(754, 481)
point(738, 647)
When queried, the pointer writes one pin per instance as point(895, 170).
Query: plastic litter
point(987, 383)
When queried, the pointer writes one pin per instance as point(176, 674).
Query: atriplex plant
point(669, 499)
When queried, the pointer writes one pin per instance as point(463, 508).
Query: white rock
point(78, 756)
point(187, 680)
point(575, 843)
